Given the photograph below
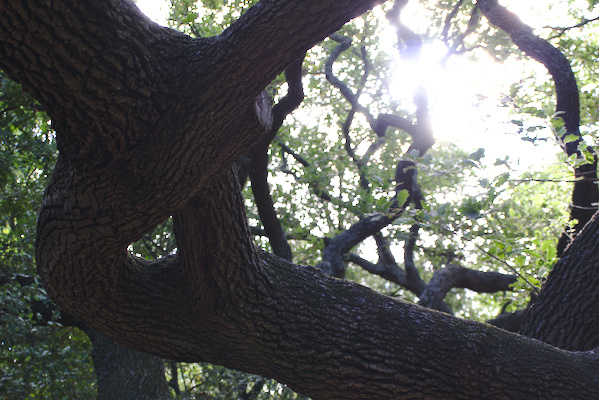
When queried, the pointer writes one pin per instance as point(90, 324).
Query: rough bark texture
point(149, 123)
point(125, 374)
point(565, 314)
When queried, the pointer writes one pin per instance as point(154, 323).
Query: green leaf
point(402, 196)
point(571, 138)
point(192, 16)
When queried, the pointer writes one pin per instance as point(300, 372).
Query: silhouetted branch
point(259, 163)
point(449, 19)
point(509, 321)
point(405, 175)
point(455, 276)
point(378, 124)
point(315, 185)
point(585, 195)
point(562, 30)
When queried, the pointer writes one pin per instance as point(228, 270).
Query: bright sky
point(464, 96)
point(465, 99)
point(156, 10)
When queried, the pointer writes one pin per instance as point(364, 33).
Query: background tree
point(357, 187)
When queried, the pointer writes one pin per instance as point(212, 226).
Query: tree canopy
point(199, 171)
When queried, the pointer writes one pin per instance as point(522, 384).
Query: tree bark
point(149, 123)
point(565, 313)
point(125, 374)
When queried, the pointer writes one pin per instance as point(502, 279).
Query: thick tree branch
point(213, 226)
point(568, 106)
point(564, 314)
point(155, 101)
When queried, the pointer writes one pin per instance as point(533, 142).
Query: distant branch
point(378, 124)
point(315, 185)
point(259, 162)
point(449, 19)
point(509, 321)
point(562, 30)
point(585, 195)
point(552, 180)
point(405, 174)
point(455, 276)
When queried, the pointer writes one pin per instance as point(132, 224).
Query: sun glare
point(465, 96)
point(156, 10)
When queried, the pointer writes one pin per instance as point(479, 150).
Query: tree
point(34, 357)
point(149, 123)
point(38, 357)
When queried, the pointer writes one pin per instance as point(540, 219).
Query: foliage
point(38, 358)
point(207, 381)
point(479, 213)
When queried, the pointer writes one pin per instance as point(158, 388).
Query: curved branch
point(297, 27)
point(405, 174)
point(585, 195)
point(455, 276)
point(163, 89)
point(259, 163)
point(568, 105)
point(220, 299)
point(293, 98)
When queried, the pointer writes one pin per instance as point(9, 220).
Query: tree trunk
point(149, 123)
point(126, 374)
point(121, 373)
point(565, 313)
